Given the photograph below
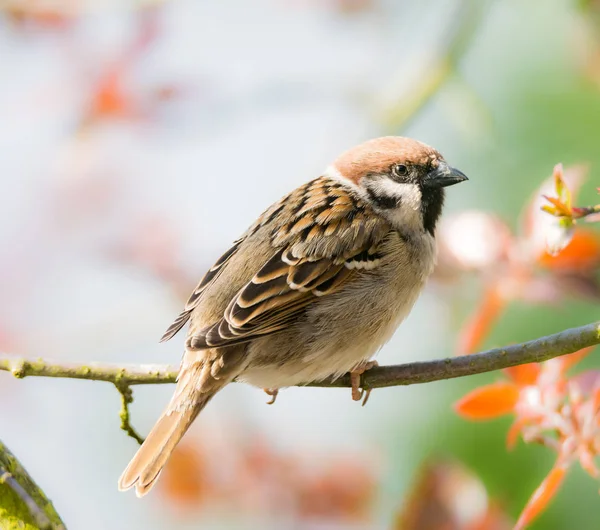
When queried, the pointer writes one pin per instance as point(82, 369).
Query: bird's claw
point(357, 391)
point(273, 393)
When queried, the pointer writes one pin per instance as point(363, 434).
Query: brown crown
point(379, 154)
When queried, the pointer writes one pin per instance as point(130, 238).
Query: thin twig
point(126, 399)
point(537, 350)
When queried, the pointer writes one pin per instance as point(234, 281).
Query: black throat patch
point(432, 202)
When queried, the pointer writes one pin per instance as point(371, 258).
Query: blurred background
point(138, 139)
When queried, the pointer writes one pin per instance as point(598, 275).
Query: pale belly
point(339, 332)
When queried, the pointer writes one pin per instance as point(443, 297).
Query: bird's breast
point(341, 330)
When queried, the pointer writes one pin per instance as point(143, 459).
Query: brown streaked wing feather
point(266, 217)
point(322, 228)
point(301, 275)
point(173, 329)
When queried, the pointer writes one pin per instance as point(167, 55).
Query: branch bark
point(537, 350)
point(22, 503)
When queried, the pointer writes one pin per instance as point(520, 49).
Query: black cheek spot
point(384, 202)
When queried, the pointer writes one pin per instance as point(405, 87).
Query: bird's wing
point(215, 271)
point(321, 235)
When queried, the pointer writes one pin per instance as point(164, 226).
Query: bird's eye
point(400, 170)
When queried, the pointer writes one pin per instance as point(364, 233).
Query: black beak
point(443, 176)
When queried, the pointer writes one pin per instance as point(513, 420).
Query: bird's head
point(401, 178)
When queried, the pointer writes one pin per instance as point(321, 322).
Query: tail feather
point(146, 465)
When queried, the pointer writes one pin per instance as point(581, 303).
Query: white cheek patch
point(403, 208)
point(407, 214)
point(408, 195)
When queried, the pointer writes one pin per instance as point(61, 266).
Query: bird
point(312, 290)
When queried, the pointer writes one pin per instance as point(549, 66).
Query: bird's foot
point(357, 391)
point(273, 393)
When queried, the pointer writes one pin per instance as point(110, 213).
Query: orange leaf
point(596, 401)
point(475, 331)
point(586, 459)
point(109, 98)
point(582, 253)
point(524, 374)
point(542, 496)
point(513, 433)
point(488, 402)
point(561, 208)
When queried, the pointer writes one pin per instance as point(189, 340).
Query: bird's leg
point(357, 391)
point(273, 393)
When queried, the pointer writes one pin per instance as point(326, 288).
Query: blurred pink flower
point(550, 408)
point(519, 266)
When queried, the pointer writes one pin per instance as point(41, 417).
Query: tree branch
point(128, 374)
point(537, 350)
point(22, 503)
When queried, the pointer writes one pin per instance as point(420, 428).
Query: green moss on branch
point(23, 505)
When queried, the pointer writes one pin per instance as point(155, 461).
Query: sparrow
point(312, 290)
